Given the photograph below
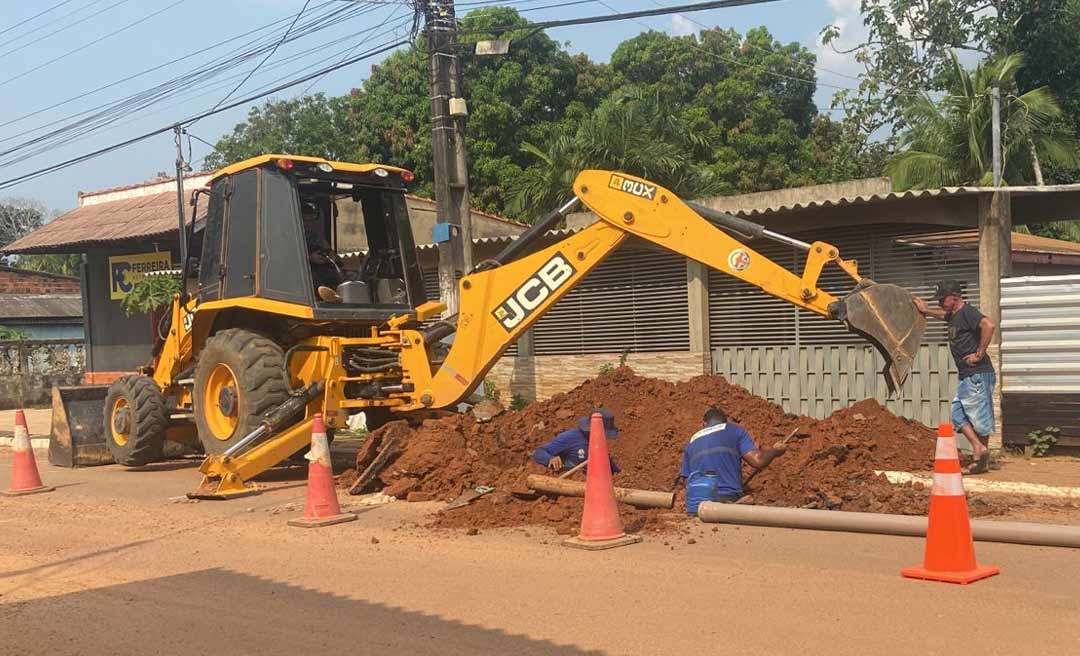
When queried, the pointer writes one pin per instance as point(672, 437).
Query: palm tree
point(631, 131)
point(950, 141)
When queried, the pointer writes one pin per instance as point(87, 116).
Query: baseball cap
point(946, 287)
point(609, 422)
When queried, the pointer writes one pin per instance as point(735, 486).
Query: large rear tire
point(135, 421)
point(239, 377)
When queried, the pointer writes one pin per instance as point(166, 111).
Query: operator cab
point(278, 227)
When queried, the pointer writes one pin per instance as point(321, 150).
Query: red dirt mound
point(833, 467)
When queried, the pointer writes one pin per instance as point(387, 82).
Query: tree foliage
point(149, 294)
point(64, 265)
point(313, 125)
point(908, 48)
point(949, 142)
point(19, 217)
point(716, 112)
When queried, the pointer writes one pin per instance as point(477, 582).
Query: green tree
point(908, 48)
point(530, 94)
point(950, 141)
point(314, 125)
point(64, 265)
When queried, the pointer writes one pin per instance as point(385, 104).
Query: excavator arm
point(499, 303)
point(503, 297)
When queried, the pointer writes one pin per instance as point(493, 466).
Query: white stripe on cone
point(948, 485)
point(946, 449)
point(320, 449)
point(22, 439)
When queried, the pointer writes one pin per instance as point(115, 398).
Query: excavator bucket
point(887, 317)
point(78, 426)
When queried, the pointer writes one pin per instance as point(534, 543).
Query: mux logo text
point(632, 187)
point(534, 291)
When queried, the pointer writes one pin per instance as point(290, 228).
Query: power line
point(95, 41)
point(113, 123)
point(346, 55)
point(133, 76)
point(62, 29)
point(37, 15)
point(10, 182)
point(616, 16)
point(154, 94)
point(268, 55)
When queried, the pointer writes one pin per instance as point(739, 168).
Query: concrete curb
point(36, 443)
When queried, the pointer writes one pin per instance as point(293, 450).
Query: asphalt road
point(108, 564)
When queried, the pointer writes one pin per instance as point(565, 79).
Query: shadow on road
point(199, 612)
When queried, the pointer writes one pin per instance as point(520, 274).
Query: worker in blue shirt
point(712, 460)
point(571, 447)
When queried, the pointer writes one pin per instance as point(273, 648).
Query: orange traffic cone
point(322, 507)
point(601, 527)
point(25, 478)
point(950, 552)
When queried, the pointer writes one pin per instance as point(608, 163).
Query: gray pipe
point(1047, 535)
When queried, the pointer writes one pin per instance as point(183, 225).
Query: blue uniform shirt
point(570, 445)
point(718, 449)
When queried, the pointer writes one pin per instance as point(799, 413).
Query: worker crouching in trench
point(712, 460)
point(570, 448)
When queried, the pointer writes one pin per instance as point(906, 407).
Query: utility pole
point(180, 166)
point(995, 97)
point(453, 230)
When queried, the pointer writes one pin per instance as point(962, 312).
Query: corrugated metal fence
point(1040, 334)
point(818, 380)
point(1040, 357)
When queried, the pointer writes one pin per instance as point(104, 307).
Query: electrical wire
point(200, 93)
point(10, 182)
point(37, 15)
point(58, 31)
point(108, 112)
point(268, 55)
point(133, 76)
point(95, 41)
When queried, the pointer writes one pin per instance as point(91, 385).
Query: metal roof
point(40, 306)
point(138, 217)
point(1021, 242)
point(804, 198)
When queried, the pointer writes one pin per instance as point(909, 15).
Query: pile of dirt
point(832, 466)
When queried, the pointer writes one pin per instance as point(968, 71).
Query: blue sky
point(184, 26)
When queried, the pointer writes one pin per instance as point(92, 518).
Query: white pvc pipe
point(1048, 535)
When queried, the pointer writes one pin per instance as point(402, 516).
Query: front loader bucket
point(78, 426)
point(887, 317)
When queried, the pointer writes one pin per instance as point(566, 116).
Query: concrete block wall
point(541, 377)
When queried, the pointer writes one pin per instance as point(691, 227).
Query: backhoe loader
point(254, 352)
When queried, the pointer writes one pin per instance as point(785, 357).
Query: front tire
point(239, 377)
point(135, 421)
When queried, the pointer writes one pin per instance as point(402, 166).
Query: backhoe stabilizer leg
point(220, 481)
point(886, 316)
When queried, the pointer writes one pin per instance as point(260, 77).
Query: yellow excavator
point(255, 348)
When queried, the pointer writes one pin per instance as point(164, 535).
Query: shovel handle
point(575, 469)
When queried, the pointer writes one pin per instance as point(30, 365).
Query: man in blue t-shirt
point(712, 460)
point(571, 447)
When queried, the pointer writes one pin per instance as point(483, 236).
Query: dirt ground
point(108, 564)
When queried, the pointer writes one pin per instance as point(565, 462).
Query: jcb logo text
point(534, 291)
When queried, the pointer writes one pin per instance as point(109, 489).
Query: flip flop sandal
point(980, 466)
